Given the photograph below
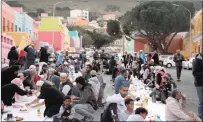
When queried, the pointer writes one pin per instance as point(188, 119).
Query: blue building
point(18, 22)
point(28, 24)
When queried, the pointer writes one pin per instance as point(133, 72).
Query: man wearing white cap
point(94, 83)
point(64, 67)
point(53, 98)
point(66, 85)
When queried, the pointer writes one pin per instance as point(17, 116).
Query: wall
point(46, 36)
point(6, 43)
point(197, 32)
point(8, 18)
point(19, 22)
point(81, 14)
point(50, 23)
point(21, 39)
point(35, 30)
point(28, 24)
point(81, 23)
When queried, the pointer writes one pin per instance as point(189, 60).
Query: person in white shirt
point(140, 115)
point(95, 84)
point(66, 85)
point(129, 103)
point(119, 99)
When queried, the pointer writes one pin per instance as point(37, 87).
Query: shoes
point(178, 80)
point(85, 119)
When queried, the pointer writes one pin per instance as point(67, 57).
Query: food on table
point(18, 118)
point(17, 106)
point(23, 109)
point(139, 104)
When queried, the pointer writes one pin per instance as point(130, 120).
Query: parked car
point(188, 63)
point(168, 62)
point(162, 58)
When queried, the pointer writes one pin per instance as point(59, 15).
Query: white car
point(162, 58)
point(188, 64)
point(168, 62)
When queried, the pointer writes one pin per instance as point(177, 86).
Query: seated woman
point(9, 90)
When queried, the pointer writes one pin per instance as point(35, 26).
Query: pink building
point(6, 43)
point(8, 18)
point(46, 36)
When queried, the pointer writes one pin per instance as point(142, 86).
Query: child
point(66, 111)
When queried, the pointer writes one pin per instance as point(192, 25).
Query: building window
point(16, 28)
point(7, 41)
point(8, 26)
point(12, 27)
point(19, 29)
point(11, 42)
point(30, 32)
point(4, 24)
point(26, 30)
point(4, 39)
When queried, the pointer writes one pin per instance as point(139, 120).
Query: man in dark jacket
point(31, 55)
point(178, 59)
point(197, 72)
point(53, 98)
point(44, 55)
point(7, 75)
point(86, 105)
point(156, 58)
point(13, 56)
point(66, 85)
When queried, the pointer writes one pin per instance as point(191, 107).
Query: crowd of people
point(52, 77)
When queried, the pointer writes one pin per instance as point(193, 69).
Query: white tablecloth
point(30, 115)
point(154, 109)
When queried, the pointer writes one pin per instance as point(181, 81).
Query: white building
point(80, 14)
point(94, 24)
point(109, 17)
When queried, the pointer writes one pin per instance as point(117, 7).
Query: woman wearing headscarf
point(22, 59)
point(13, 56)
point(12, 90)
point(60, 59)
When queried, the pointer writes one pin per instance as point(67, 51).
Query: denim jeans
point(199, 95)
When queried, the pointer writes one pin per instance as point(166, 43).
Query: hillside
point(97, 6)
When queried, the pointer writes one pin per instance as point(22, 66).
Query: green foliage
point(113, 28)
point(156, 21)
point(92, 38)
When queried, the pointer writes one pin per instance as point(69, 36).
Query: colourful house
point(197, 32)
point(50, 24)
point(34, 30)
point(28, 22)
point(74, 39)
point(21, 39)
point(6, 43)
point(46, 36)
point(8, 18)
point(81, 23)
point(19, 22)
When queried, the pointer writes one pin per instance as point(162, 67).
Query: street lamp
point(190, 24)
point(53, 18)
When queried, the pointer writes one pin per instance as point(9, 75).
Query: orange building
point(81, 23)
point(197, 32)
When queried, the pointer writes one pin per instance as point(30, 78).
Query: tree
point(157, 21)
point(15, 4)
point(40, 11)
point(86, 40)
point(113, 28)
point(93, 16)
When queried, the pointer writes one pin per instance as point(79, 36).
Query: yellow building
point(186, 45)
point(21, 39)
point(50, 24)
point(197, 32)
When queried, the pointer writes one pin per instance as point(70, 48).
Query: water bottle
point(158, 119)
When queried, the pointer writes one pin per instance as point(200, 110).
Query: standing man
point(156, 58)
point(44, 55)
point(125, 61)
point(197, 72)
point(178, 59)
point(142, 57)
point(31, 55)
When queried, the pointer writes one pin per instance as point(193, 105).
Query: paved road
point(186, 86)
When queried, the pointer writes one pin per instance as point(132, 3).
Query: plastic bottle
point(38, 112)
point(157, 119)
